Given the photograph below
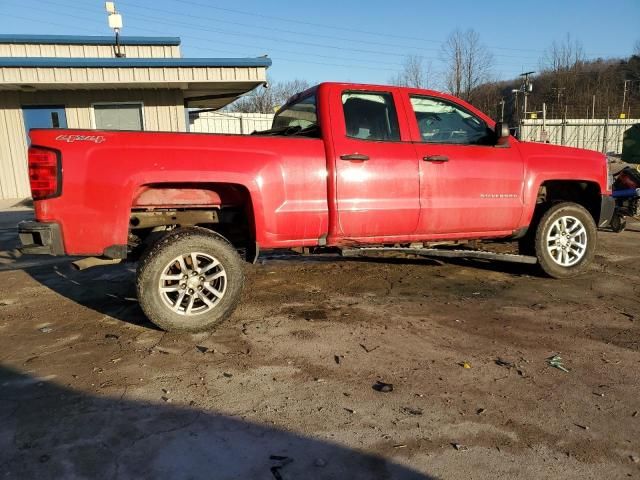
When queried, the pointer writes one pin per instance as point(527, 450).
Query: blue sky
point(347, 41)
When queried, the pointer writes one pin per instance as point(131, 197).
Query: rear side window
point(301, 114)
point(370, 116)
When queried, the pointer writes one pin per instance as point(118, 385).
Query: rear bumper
point(40, 238)
point(607, 209)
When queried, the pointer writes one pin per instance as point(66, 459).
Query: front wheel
point(565, 241)
point(189, 281)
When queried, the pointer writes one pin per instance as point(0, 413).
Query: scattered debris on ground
point(556, 362)
point(383, 387)
point(350, 367)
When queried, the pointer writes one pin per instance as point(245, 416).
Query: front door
point(468, 184)
point(377, 184)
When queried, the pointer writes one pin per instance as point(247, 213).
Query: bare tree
point(414, 73)
point(453, 55)
point(268, 99)
point(468, 63)
point(636, 48)
point(562, 56)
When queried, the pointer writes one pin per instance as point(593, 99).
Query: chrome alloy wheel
point(193, 284)
point(567, 241)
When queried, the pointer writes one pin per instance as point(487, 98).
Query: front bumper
point(40, 238)
point(607, 209)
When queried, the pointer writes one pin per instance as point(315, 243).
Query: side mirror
point(502, 134)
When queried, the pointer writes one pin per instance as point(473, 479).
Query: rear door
point(467, 183)
point(377, 175)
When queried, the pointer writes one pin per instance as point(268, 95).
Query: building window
point(118, 116)
point(43, 117)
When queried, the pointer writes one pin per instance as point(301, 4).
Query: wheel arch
point(586, 193)
point(583, 192)
point(197, 195)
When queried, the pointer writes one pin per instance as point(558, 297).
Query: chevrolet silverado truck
point(354, 168)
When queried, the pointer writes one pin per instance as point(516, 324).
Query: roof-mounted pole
point(115, 24)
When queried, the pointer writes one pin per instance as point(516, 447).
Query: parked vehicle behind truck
point(357, 168)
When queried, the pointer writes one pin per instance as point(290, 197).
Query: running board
point(440, 252)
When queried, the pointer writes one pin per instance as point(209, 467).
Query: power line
point(295, 32)
point(349, 29)
point(18, 17)
point(201, 39)
point(262, 37)
point(324, 25)
point(235, 44)
point(283, 59)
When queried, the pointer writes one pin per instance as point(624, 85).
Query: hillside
point(580, 89)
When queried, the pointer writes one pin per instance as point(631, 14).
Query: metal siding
point(151, 117)
point(85, 40)
point(18, 50)
point(13, 149)
point(44, 75)
point(163, 110)
point(87, 51)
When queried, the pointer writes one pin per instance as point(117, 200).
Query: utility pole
point(543, 136)
point(516, 91)
point(624, 94)
point(527, 88)
point(502, 102)
point(559, 93)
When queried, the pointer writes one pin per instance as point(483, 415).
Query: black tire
point(154, 263)
point(552, 266)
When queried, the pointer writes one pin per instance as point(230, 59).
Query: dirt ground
point(283, 390)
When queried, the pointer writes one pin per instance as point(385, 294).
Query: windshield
point(299, 118)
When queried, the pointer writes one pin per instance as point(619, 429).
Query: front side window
point(370, 116)
point(440, 121)
point(299, 116)
point(118, 116)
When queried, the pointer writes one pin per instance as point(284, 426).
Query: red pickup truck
point(356, 168)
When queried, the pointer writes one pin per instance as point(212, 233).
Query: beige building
point(50, 81)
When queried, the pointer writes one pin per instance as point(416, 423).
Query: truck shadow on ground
point(51, 431)
point(509, 268)
point(110, 290)
point(9, 241)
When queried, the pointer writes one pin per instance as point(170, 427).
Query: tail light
point(45, 173)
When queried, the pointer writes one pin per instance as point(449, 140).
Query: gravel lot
point(283, 390)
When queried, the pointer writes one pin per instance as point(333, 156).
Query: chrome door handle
point(436, 158)
point(355, 156)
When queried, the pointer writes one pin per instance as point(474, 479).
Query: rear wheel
point(189, 281)
point(565, 240)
